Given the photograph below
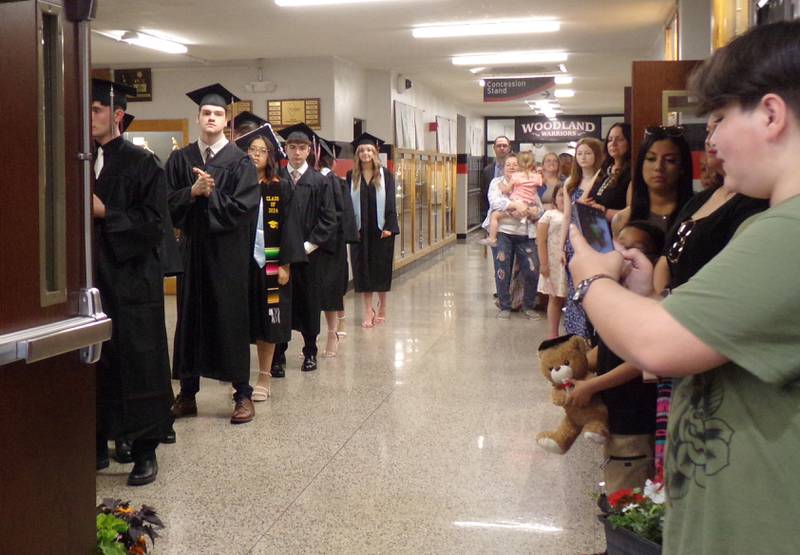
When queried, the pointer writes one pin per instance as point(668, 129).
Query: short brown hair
point(764, 60)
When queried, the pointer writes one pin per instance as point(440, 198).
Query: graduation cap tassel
point(316, 147)
point(111, 123)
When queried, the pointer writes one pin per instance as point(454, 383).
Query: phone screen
point(594, 227)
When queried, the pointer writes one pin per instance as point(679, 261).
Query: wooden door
point(50, 322)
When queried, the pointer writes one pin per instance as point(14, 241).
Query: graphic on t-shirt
point(699, 445)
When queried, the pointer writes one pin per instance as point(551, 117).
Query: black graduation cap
point(367, 139)
point(298, 133)
point(243, 118)
point(127, 120)
point(102, 90)
point(213, 95)
point(265, 131)
point(330, 147)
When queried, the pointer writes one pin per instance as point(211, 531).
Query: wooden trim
point(430, 249)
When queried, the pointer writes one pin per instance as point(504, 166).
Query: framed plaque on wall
point(141, 79)
point(283, 113)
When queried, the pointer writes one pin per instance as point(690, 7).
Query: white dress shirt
point(215, 148)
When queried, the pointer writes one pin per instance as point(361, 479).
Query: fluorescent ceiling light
point(477, 70)
point(154, 43)
point(564, 93)
point(303, 3)
point(486, 28)
point(563, 79)
point(563, 68)
point(513, 57)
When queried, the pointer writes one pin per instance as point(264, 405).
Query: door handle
point(85, 333)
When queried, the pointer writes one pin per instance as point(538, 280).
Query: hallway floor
point(418, 438)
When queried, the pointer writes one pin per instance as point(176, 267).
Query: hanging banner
point(539, 129)
point(504, 90)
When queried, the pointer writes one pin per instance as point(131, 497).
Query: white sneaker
point(503, 315)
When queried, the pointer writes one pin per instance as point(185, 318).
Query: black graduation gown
point(333, 262)
point(212, 338)
point(262, 325)
point(312, 206)
point(372, 256)
point(134, 394)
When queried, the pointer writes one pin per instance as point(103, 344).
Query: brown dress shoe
point(184, 407)
point(243, 412)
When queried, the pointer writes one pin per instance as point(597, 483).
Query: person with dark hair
point(277, 245)
point(565, 163)
point(663, 179)
point(700, 231)
point(334, 268)
point(731, 331)
point(213, 197)
point(313, 209)
point(610, 188)
point(134, 394)
point(493, 170)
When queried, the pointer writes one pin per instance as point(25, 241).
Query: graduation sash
point(380, 201)
point(271, 197)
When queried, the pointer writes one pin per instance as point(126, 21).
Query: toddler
point(552, 273)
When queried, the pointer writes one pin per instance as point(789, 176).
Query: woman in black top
point(663, 182)
point(610, 189)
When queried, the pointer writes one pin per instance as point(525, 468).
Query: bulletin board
point(283, 113)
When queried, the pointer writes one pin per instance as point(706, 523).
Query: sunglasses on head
point(665, 131)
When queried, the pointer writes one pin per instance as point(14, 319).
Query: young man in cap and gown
point(134, 393)
point(313, 208)
point(213, 198)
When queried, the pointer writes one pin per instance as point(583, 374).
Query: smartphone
point(594, 227)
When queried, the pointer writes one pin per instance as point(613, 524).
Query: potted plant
point(122, 530)
point(634, 520)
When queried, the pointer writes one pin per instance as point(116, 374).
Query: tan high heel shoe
point(340, 331)
point(331, 351)
point(262, 392)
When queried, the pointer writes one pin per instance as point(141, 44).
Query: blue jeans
point(510, 247)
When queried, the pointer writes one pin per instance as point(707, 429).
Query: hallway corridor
point(417, 438)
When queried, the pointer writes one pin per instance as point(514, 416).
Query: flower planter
point(621, 541)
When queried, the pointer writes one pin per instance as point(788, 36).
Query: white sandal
point(261, 392)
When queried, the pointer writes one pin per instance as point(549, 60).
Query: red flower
point(618, 497)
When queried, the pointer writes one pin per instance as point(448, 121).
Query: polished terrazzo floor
point(417, 438)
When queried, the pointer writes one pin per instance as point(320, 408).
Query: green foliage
point(122, 530)
point(646, 520)
point(109, 532)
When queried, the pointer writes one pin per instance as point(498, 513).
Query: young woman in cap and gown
point(277, 245)
point(372, 191)
point(334, 269)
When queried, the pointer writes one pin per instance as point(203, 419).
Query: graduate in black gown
point(134, 394)
point(213, 199)
point(334, 269)
point(278, 245)
point(373, 195)
point(312, 206)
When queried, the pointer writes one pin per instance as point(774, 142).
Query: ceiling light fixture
point(304, 3)
point(515, 57)
point(564, 93)
point(154, 43)
point(476, 70)
point(486, 28)
point(563, 68)
point(563, 79)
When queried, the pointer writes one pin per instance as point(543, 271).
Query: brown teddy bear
point(562, 359)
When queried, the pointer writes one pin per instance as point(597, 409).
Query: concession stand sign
point(504, 90)
point(539, 129)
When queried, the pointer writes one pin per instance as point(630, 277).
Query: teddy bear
point(562, 359)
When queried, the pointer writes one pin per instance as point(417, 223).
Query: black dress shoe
point(122, 451)
point(169, 437)
point(144, 472)
point(278, 371)
point(309, 363)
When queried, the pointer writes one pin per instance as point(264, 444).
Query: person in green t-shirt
point(732, 332)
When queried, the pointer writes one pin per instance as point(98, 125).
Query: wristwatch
point(583, 286)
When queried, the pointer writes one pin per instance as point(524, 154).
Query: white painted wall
point(350, 97)
point(297, 78)
point(694, 30)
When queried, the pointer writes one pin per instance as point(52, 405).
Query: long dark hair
point(608, 162)
point(640, 201)
point(271, 170)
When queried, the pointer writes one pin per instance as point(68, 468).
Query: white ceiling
point(602, 37)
